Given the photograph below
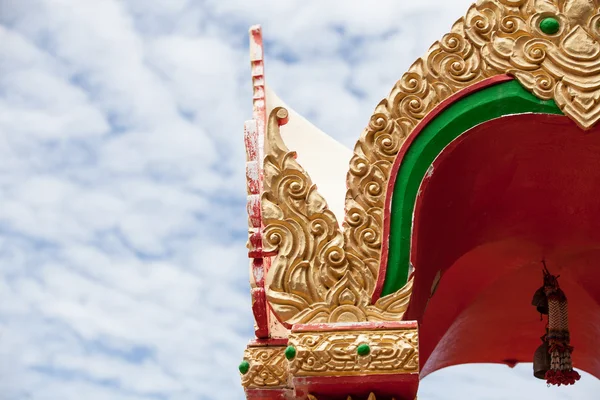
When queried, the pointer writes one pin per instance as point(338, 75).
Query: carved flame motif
point(312, 277)
point(305, 234)
point(324, 274)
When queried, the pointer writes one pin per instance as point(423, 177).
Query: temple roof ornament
point(320, 269)
point(496, 37)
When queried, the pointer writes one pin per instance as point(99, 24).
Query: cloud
point(123, 268)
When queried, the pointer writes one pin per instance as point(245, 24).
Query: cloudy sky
point(123, 272)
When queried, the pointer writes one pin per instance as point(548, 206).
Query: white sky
point(123, 269)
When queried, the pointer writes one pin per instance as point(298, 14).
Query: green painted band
point(484, 105)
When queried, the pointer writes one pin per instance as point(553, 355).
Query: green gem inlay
point(549, 26)
point(363, 349)
point(290, 352)
point(244, 367)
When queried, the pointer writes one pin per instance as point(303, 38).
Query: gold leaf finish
point(322, 353)
point(310, 259)
point(313, 278)
point(451, 64)
point(268, 368)
point(564, 66)
point(322, 273)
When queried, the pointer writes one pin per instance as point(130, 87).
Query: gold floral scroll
point(313, 279)
point(267, 368)
point(325, 274)
point(326, 353)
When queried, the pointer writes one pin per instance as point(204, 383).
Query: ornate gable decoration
point(313, 278)
point(322, 273)
point(551, 47)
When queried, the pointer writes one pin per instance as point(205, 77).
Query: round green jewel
point(290, 352)
point(244, 367)
point(549, 25)
point(363, 349)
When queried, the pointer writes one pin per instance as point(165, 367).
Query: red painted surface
point(398, 161)
point(357, 326)
point(503, 196)
point(400, 387)
point(254, 184)
point(254, 132)
point(255, 249)
point(259, 309)
point(268, 342)
point(269, 394)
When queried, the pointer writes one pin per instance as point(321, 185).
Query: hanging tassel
point(561, 366)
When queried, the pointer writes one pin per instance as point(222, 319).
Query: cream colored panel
point(324, 159)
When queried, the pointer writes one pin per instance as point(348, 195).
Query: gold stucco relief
point(313, 278)
point(335, 353)
point(267, 368)
point(322, 273)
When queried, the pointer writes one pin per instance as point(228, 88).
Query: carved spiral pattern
point(268, 368)
point(544, 64)
point(327, 353)
point(319, 269)
point(310, 270)
point(452, 64)
point(533, 51)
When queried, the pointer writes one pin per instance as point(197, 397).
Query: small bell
point(540, 301)
point(541, 361)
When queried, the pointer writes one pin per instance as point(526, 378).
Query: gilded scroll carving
point(310, 259)
point(562, 64)
point(451, 64)
point(267, 368)
point(335, 353)
point(324, 274)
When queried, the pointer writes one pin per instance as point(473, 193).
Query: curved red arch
point(503, 196)
point(398, 162)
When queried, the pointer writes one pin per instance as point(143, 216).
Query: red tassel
point(561, 367)
point(562, 377)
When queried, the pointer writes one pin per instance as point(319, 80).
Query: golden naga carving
point(324, 274)
point(354, 353)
